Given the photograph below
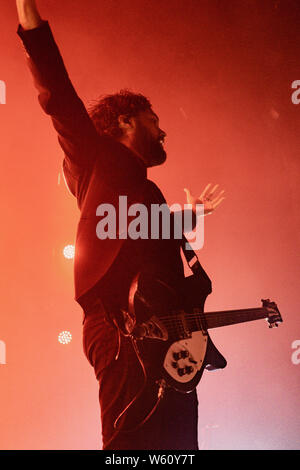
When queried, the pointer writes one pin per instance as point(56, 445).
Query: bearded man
point(107, 152)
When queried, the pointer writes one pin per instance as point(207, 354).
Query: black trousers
point(173, 425)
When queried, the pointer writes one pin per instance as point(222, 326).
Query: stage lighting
point(64, 337)
point(69, 251)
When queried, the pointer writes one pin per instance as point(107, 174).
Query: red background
point(219, 75)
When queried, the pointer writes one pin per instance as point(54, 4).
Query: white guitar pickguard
point(185, 357)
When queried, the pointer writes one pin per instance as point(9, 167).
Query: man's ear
point(127, 124)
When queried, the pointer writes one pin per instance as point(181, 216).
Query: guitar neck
point(232, 317)
point(204, 321)
point(182, 323)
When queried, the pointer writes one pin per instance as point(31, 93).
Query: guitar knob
point(176, 356)
point(189, 369)
point(180, 371)
point(184, 354)
point(174, 364)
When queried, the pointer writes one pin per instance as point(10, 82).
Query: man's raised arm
point(76, 132)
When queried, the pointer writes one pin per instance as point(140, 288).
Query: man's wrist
point(30, 25)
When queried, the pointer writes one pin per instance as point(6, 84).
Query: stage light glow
point(69, 251)
point(64, 337)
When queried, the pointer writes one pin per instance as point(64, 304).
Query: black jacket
point(97, 170)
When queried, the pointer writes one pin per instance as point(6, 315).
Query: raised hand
point(208, 198)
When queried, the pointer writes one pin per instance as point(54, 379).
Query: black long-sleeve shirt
point(97, 170)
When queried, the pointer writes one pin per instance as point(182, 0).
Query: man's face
point(149, 138)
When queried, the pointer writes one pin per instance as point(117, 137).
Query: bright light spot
point(69, 251)
point(64, 337)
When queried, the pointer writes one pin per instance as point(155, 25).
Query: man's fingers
point(204, 192)
point(219, 195)
point(209, 192)
point(215, 204)
point(213, 190)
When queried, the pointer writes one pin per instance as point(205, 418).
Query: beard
point(150, 148)
point(156, 153)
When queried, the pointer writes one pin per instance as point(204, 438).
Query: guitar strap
point(194, 264)
point(214, 359)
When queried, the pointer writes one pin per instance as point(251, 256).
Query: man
point(106, 154)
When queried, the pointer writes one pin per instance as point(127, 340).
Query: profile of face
point(145, 137)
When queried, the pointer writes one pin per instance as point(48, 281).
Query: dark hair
point(106, 110)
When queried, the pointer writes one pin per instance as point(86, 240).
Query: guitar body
point(180, 363)
point(180, 359)
point(168, 330)
point(177, 361)
point(185, 361)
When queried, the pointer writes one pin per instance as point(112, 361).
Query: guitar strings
point(215, 314)
point(174, 321)
point(202, 318)
point(208, 316)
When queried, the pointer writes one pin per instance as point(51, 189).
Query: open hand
point(208, 198)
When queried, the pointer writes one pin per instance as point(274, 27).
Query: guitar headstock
point(273, 314)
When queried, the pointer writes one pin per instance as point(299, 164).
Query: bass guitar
point(169, 332)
